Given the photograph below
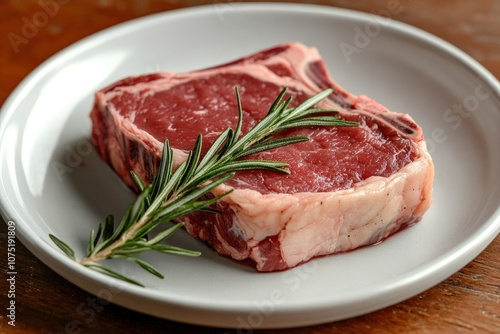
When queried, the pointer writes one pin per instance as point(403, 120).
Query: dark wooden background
point(468, 301)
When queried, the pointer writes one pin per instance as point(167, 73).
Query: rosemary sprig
point(173, 194)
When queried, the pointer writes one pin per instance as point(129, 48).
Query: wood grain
point(468, 301)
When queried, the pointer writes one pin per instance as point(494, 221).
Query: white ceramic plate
point(53, 182)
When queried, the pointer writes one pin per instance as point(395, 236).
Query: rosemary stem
point(127, 236)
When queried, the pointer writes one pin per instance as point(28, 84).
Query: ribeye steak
point(348, 186)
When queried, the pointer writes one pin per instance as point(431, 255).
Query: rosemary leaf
point(192, 161)
point(316, 121)
point(237, 131)
point(209, 157)
point(275, 106)
point(148, 267)
point(164, 172)
point(112, 273)
point(269, 145)
point(63, 246)
point(108, 227)
point(165, 234)
point(137, 180)
point(168, 249)
point(92, 241)
point(130, 249)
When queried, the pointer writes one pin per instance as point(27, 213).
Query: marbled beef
point(348, 187)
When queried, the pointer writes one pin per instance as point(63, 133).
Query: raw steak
point(348, 187)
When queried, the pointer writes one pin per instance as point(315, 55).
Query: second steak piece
point(348, 187)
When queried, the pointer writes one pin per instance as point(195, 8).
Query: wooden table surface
point(46, 303)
